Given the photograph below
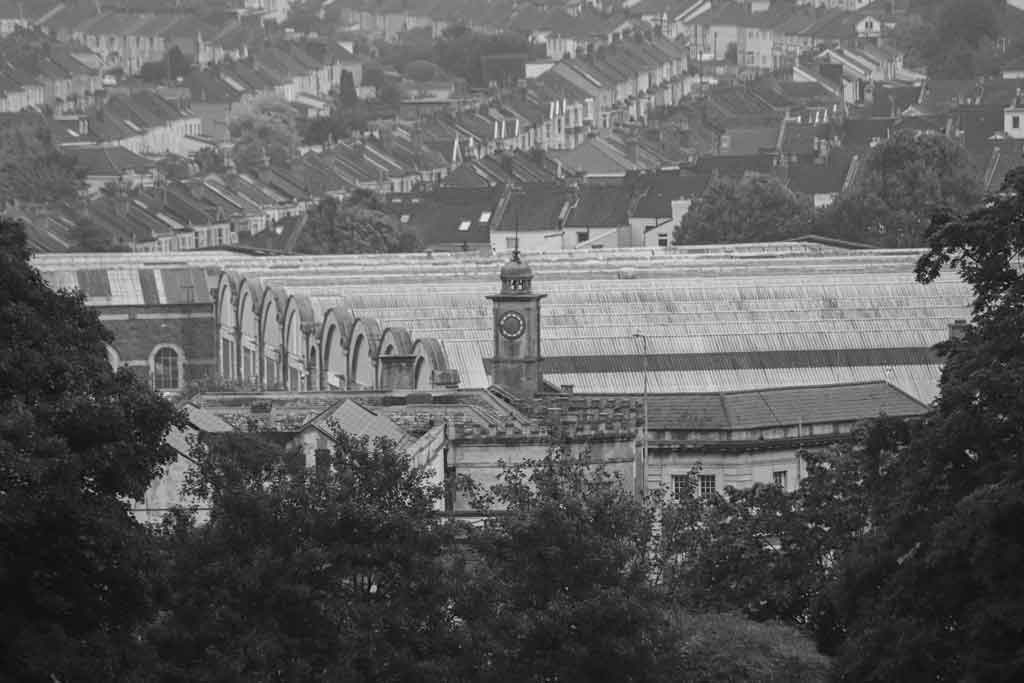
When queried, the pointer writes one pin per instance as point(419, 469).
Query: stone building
point(747, 352)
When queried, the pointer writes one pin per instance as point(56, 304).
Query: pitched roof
point(534, 206)
point(108, 160)
point(601, 206)
point(358, 420)
point(449, 216)
point(660, 188)
point(745, 410)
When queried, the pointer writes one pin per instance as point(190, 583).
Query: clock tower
point(516, 362)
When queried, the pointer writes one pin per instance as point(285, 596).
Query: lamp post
point(643, 453)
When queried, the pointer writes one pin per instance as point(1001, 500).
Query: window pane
point(165, 369)
point(707, 484)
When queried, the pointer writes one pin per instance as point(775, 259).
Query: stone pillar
point(397, 372)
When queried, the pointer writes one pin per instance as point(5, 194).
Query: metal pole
point(643, 452)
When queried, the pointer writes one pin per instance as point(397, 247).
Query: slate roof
point(535, 206)
point(784, 407)
point(858, 133)
point(798, 138)
point(658, 190)
point(449, 216)
point(358, 420)
point(812, 179)
point(108, 160)
point(601, 206)
point(734, 166)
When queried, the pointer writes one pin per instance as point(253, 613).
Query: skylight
point(404, 218)
point(464, 226)
point(485, 216)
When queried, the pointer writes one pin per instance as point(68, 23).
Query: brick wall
point(139, 329)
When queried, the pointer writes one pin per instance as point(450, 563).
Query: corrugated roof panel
point(125, 287)
point(94, 283)
point(61, 279)
point(183, 285)
point(147, 282)
point(920, 381)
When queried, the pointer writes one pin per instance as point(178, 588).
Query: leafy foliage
point(174, 65)
point(906, 180)
point(567, 586)
point(333, 573)
point(357, 225)
point(268, 133)
point(32, 169)
point(76, 441)
point(956, 38)
point(959, 484)
point(756, 208)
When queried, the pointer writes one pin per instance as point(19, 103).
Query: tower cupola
point(516, 364)
point(516, 276)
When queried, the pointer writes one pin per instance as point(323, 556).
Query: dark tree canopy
point(267, 134)
point(905, 181)
point(32, 169)
point(76, 442)
point(756, 208)
point(357, 225)
point(333, 573)
point(568, 585)
point(901, 552)
point(944, 565)
point(174, 65)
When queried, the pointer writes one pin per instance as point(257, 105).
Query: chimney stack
point(957, 330)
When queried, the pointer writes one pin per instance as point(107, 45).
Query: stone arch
point(364, 348)
point(300, 323)
point(113, 357)
point(314, 375)
point(249, 331)
point(429, 357)
point(335, 335)
point(272, 335)
point(228, 325)
point(396, 341)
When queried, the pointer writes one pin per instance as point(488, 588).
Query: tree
point(267, 134)
point(460, 51)
point(956, 38)
point(210, 160)
point(906, 180)
point(77, 440)
point(770, 554)
point(757, 208)
point(933, 591)
point(173, 66)
point(335, 573)
point(357, 225)
point(32, 169)
point(347, 96)
point(566, 587)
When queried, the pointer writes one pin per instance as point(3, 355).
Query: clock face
point(511, 325)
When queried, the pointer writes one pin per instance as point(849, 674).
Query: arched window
point(166, 369)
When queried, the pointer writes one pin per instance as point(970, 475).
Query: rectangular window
point(582, 236)
point(779, 479)
point(662, 240)
point(1016, 122)
point(707, 484)
point(510, 242)
point(680, 485)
